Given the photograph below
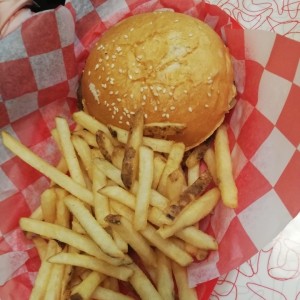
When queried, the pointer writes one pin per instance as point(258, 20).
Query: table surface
point(274, 272)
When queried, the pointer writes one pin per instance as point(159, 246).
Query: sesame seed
point(107, 78)
point(99, 77)
point(131, 29)
point(127, 123)
point(146, 116)
point(151, 87)
point(119, 99)
point(164, 91)
point(190, 109)
point(113, 56)
point(121, 117)
point(185, 91)
point(155, 94)
point(111, 92)
point(172, 108)
point(104, 85)
point(100, 60)
point(141, 89)
point(113, 104)
point(109, 109)
point(89, 73)
point(130, 77)
point(120, 122)
point(112, 116)
point(209, 94)
point(112, 66)
point(131, 96)
point(167, 116)
point(170, 94)
point(118, 49)
point(125, 36)
point(190, 34)
point(143, 103)
point(158, 88)
point(144, 97)
point(206, 105)
point(175, 21)
point(139, 57)
point(132, 112)
point(128, 116)
point(125, 95)
point(155, 108)
point(137, 71)
point(106, 57)
point(120, 71)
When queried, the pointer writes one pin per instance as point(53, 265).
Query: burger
point(173, 66)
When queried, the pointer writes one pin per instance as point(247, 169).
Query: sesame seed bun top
point(172, 65)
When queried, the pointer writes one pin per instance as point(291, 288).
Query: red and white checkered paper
point(39, 67)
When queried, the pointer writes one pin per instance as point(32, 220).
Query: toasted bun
point(174, 66)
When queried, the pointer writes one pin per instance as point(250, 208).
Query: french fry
point(45, 168)
point(199, 254)
point(67, 236)
point(184, 291)
point(157, 145)
point(96, 153)
point(77, 227)
point(39, 288)
point(158, 217)
point(88, 137)
point(224, 169)
point(209, 159)
point(131, 156)
point(173, 163)
point(102, 293)
point(109, 170)
point(144, 187)
point(92, 263)
point(156, 199)
point(92, 227)
point(133, 238)
point(48, 204)
point(84, 152)
point(166, 246)
point(90, 123)
point(192, 213)
point(163, 130)
point(41, 246)
point(37, 214)
point(143, 285)
point(193, 174)
point(196, 189)
point(68, 150)
point(101, 205)
point(197, 238)
point(165, 283)
point(196, 155)
point(120, 242)
point(105, 145)
point(63, 216)
point(119, 194)
point(54, 284)
point(118, 156)
point(175, 185)
point(86, 288)
point(159, 163)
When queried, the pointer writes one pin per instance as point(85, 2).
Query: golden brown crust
point(174, 66)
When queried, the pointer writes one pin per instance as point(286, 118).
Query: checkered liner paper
point(39, 79)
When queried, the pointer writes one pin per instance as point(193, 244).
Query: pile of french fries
point(116, 195)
